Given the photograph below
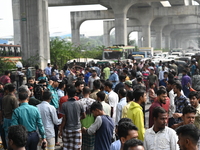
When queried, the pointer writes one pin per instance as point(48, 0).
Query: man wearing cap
point(113, 78)
point(128, 85)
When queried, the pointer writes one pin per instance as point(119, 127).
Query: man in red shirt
point(5, 78)
point(161, 99)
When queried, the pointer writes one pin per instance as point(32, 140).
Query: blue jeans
point(6, 125)
point(33, 140)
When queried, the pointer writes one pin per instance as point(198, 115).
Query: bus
point(118, 52)
point(10, 52)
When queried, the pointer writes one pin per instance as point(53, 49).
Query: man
point(170, 86)
point(96, 89)
point(79, 85)
point(120, 105)
point(174, 66)
point(106, 72)
point(28, 72)
point(70, 128)
point(52, 86)
point(21, 116)
point(17, 137)
point(163, 82)
point(194, 102)
point(112, 99)
point(49, 118)
point(125, 73)
point(128, 85)
point(196, 81)
point(127, 131)
point(106, 107)
point(87, 75)
point(161, 73)
point(120, 84)
point(161, 99)
point(135, 112)
point(180, 102)
point(31, 81)
point(60, 91)
point(184, 82)
point(188, 116)
point(160, 136)
point(92, 79)
point(116, 145)
point(5, 78)
point(48, 70)
point(133, 144)
point(129, 99)
point(87, 140)
point(114, 78)
point(102, 128)
point(188, 136)
point(152, 77)
point(9, 104)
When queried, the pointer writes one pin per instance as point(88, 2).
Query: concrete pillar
point(167, 42)
point(106, 33)
point(34, 30)
point(76, 36)
point(146, 32)
point(139, 39)
point(16, 21)
point(158, 38)
point(120, 28)
point(46, 32)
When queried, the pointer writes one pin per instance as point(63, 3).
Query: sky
point(59, 20)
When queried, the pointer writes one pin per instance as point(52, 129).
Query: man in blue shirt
point(53, 85)
point(114, 78)
point(87, 75)
point(29, 117)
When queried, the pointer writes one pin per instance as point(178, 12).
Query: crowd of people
point(102, 107)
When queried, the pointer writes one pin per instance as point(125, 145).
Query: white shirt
point(61, 93)
point(106, 108)
point(113, 101)
point(49, 118)
point(91, 80)
point(119, 108)
point(163, 140)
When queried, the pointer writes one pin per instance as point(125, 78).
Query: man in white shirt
point(60, 90)
point(49, 118)
point(112, 99)
point(160, 136)
point(92, 78)
point(120, 105)
point(106, 107)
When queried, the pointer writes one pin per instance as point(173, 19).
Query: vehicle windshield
point(112, 55)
